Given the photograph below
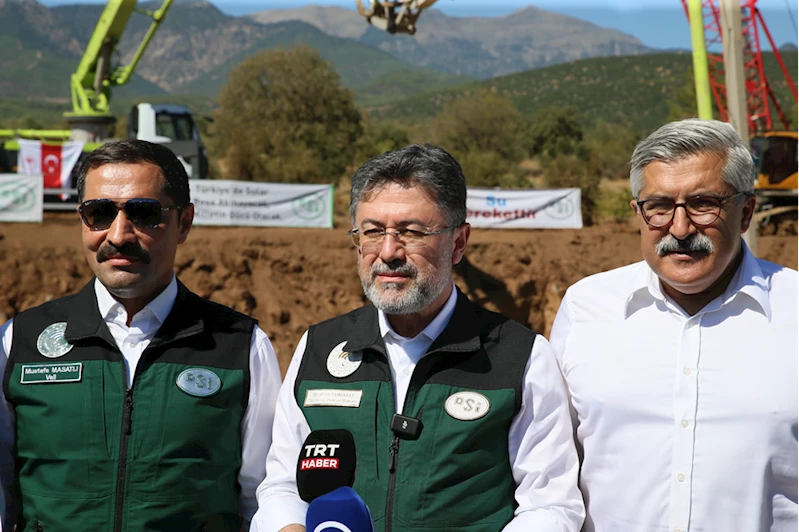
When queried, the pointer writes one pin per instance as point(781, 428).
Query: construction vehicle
point(92, 84)
point(393, 16)
point(773, 142)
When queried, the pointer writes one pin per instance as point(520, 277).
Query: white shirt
point(256, 428)
point(686, 423)
point(543, 459)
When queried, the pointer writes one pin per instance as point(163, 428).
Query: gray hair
point(427, 166)
point(678, 140)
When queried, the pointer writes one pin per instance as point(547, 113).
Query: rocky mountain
point(40, 52)
point(477, 47)
point(197, 45)
point(194, 38)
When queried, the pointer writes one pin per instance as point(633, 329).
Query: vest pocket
point(62, 437)
point(185, 447)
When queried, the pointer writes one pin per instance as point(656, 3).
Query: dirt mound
point(291, 278)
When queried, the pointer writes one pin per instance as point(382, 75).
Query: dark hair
point(134, 151)
point(416, 165)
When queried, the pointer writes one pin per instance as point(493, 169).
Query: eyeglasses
point(701, 210)
point(372, 239)
point(143, 213)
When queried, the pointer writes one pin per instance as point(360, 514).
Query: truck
point(91, 86)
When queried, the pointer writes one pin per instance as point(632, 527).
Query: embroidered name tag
point(347, 398)
point(55, 373)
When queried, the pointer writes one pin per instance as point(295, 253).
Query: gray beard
point(416, 298)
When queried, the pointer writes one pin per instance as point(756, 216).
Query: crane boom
point(95, 77)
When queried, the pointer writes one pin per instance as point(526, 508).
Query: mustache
point(693, 243)
point(395, 267)
point(129, 249)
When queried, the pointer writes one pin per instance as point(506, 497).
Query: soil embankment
point(291, 278)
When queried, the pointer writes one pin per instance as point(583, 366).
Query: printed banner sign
point(517, 209)
point(261, 204)
point(21, 198)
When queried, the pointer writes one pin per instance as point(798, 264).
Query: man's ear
point(748, 212)
point(461, 239)
point(185, 221)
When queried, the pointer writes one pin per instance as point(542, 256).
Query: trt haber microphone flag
point(54, 161)
point(326, 462)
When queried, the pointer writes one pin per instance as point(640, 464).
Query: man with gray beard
point(459, 415)
point(682, 368)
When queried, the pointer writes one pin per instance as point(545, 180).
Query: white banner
point(21, 198)
point(261, 204)
point(515, 209)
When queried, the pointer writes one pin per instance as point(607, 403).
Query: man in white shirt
point(494, 450)
point(682, 368)
point(134, 404)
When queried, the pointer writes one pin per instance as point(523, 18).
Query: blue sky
point(657, 23)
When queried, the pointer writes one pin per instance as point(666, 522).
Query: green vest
point(92, 455)
point(456, 475)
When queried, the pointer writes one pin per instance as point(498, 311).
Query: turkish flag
point(51, 165)
point(54, 161)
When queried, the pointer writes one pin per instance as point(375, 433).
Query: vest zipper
point(393, 450)
point(123, 458)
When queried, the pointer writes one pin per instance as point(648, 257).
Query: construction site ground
point(291, 278)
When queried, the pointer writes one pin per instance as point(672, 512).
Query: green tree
point(684, 105)
point(609, 148)
point(554, 131)
point(283, 117)
point(379, 137)
point(483, 131)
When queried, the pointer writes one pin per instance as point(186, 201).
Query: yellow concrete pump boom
point(95, 76)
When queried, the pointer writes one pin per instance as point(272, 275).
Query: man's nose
point(391, 249)
point(681, 225)
point(121, 229)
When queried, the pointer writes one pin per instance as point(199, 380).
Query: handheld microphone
point(325, 474)
point(326, 462)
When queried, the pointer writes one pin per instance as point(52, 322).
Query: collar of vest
point(457, 337)
point(183, 321)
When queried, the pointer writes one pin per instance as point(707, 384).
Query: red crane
point(760, 99)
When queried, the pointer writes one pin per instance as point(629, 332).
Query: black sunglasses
point(144, 213)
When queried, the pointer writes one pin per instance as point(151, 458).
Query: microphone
point(325, 474)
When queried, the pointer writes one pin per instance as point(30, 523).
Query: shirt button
point(684, 423)
point(678, 530)
point(681, 477)
point(131, 344)
point(687, 371)
point(407, 372)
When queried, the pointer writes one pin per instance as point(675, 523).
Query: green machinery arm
point(94, 78)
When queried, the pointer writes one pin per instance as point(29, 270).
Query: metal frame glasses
point(143, 213)
point(701, 210)
point(372, 239)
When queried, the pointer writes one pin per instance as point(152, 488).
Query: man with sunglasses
point(459, 415)
point(134, 404)
point(682, 368)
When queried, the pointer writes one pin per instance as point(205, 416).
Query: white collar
point(160, 306)
point(433, 329)
point(748, 280)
